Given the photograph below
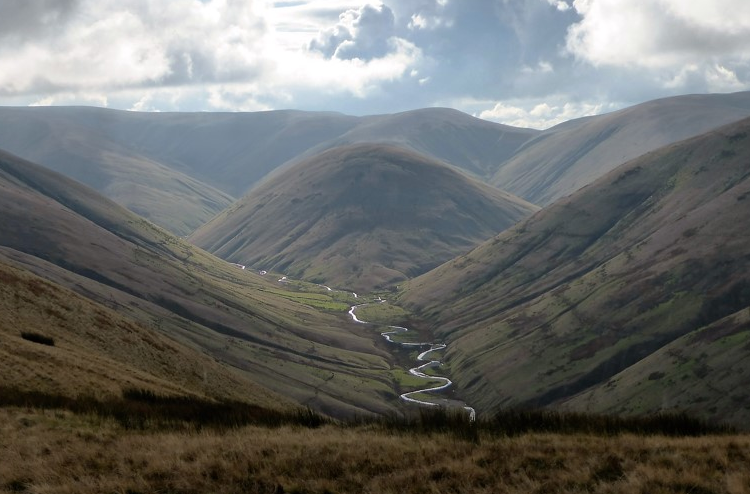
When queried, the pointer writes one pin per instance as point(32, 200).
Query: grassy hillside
point(361, 216)
point(701, 371)
point(617, 297)
point(53, 340)
point(68, 234)
point(563, 159)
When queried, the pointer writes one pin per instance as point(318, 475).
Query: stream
point(422, 358)
point(418, 371)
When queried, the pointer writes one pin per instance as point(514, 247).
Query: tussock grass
point(143, 409)
point(513, 422)
point(59, 452)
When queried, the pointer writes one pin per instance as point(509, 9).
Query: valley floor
point(59, 452)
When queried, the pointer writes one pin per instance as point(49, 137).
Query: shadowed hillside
point(563, 159)
point(86, 145)
point(631, 295)
point(68, 234)
point(361, 216)
point(180, 169)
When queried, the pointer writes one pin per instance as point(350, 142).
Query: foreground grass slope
point(620, 297)
point(361, 216)
point(56, 452)
point(70, 235)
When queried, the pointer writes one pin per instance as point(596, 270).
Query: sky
point(527, 63)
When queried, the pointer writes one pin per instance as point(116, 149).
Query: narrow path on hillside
point(418, 371)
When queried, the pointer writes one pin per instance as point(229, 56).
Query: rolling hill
point(631, 295)
point(561, 160)
point(137, 284)
point(180, 169)
point(465, 142)
point(81, 144)
point(361, 216)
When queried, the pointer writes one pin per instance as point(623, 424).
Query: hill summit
point(361, 216)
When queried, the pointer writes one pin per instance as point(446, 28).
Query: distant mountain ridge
point(630, 296)
point(180, 169)
point(360, 216)
point(561, 160)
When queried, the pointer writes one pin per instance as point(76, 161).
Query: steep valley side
point(613, 298)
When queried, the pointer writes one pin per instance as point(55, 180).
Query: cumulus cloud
point(541, 115)
point(714, 77)
point(368, 56)
point(363, 33)
point(355, 76)
point(659, 33)
point(121, 44)
point(429, 15)
point(219, 54)
point(560, 5)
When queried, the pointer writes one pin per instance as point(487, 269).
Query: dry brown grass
point(57, 452)
point(97, 351)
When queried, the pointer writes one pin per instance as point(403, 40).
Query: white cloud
point(359, 57)
point(419, 21)
point(541, 115)
point(122, 44)
point(427, 22)
point(660, 33)
point(560, 5)
point(355, 76)
point(363, 33)
point(235, 98)
point(81, 98)
point(723, 79)
point(543, 67)
point(155, 55)
point(715, 78)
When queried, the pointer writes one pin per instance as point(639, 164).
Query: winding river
point(418, 371)
point(422, 357)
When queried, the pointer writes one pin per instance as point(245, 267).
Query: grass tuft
point(18, 485)
point(513, 422)
point(143, 409)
